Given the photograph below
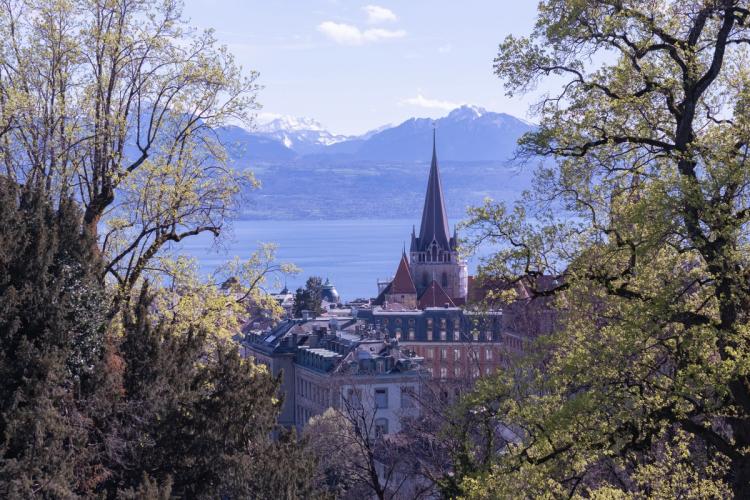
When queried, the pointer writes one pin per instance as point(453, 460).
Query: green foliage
point(143, 407)
point(309, 298)
point(50, 343)
point(115, 103)
point(648, 375)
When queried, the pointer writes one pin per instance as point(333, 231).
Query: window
point(429, 333)
point(443, 353)
point(430, 353)
point(381, 427)
point(488, 370)
point(398, 333)
point(411, 333)
point(488, 333)
point(354, 397)
point(430, 371)
point(443, 373)
point(381, 398)
point(456, 354)
point(475, 334)
point(488, 354)
point(457, 371)
point(456, 335)
point(407, 397)
point(443, 335)
point(476, 373)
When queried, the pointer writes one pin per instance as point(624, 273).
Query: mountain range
point(468, 133)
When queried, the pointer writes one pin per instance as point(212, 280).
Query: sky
point(355, 66)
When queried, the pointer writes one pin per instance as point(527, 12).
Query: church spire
point(434, 218)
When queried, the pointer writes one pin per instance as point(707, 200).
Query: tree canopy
point(640, 211)
point(116, 104)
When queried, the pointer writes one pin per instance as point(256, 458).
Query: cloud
point(347, 34)
point(423, 102)
point(377, 14)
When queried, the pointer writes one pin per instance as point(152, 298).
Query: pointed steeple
point(434, 218)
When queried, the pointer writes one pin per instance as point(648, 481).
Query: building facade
point(343, 364)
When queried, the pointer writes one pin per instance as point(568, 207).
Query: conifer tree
point(50, 342)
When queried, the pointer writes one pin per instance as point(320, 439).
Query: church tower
point(434, 254)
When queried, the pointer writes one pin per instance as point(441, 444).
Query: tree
point(198, 417)
point(146, 407)
point(224, 301)
point(117, 104)
point(51, 341)
point(648, 375)
point(309, 298)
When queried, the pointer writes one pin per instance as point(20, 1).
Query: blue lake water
point(353, 254)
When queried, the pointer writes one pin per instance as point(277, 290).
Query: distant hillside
point(468, 133)
point(306, 172)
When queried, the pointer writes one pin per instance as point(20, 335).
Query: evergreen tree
point(310, 297)
point(51, 332)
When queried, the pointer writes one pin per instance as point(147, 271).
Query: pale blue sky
point(355, 66)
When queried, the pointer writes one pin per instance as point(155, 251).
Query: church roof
point(434, 217)
point(402, 282)
point(435, 296)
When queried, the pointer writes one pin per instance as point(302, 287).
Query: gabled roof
point(434, 217)
point(435, 296)
point(402, 282)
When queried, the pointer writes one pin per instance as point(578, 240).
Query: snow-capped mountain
point(468, 133)
point(302, 135)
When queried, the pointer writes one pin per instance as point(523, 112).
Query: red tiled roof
point(402, 282)
point(435, 296)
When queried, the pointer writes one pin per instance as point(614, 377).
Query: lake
point(352, 253)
